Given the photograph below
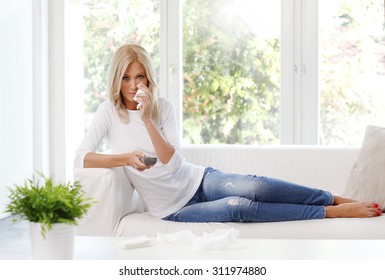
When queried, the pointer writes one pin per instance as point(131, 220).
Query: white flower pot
point(58, 243)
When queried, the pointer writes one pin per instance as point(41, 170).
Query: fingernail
point(376, 205)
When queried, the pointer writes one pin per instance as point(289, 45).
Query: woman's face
point(133, 76)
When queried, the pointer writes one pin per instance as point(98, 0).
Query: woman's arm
point(163, 148)
point(94, 160)
point(86, 157)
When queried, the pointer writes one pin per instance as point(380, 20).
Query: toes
point(377, 209)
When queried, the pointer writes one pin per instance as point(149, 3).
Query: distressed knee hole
point(233, 202)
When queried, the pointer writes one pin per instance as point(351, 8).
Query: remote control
point(150, 161)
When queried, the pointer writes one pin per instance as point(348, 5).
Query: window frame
point(299, 68)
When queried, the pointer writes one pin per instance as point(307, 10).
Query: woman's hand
point(144, 97)
point(135, 160)
point(164, 151)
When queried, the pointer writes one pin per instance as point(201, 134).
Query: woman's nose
point(133, 86)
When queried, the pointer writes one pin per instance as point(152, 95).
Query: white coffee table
point(258, 249)
point(107, 248)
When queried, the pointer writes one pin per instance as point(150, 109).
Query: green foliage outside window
point(231, 79)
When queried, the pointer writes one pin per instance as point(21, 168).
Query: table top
point(107, 248)
point(262, 249)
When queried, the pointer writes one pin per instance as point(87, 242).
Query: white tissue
point(140, 92)
point(135, 242)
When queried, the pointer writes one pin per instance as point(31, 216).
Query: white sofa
point(121, 212)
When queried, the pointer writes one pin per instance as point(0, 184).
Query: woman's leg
point(240, 209)
point(239, 198)
point(217, 185)
point(341, 200)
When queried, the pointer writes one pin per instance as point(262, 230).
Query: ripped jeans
point(223, 197)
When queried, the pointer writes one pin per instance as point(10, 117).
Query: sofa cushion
point(366, 181)
point(343, 228)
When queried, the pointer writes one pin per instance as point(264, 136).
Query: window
point(249, 71)
point(231, 71)
point(352, 69)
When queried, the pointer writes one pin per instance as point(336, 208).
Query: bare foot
point(353, 210)
point(341, 200)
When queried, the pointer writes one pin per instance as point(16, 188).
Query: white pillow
point(366, 181)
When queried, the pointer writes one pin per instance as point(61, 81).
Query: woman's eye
point(126, 78)
point(140, 77)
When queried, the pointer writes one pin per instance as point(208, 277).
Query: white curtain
point(16, 95)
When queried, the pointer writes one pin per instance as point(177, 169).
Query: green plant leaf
point(48, 203)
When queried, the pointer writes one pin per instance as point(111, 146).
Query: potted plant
point(53, 211)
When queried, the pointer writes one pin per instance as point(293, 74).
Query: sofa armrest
point(114, 195)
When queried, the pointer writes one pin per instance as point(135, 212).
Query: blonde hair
point(125, 55)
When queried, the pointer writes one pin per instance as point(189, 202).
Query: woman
point(138, 123)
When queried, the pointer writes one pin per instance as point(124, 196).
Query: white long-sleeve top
point(165, 188)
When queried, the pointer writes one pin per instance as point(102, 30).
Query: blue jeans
point(223, 197)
